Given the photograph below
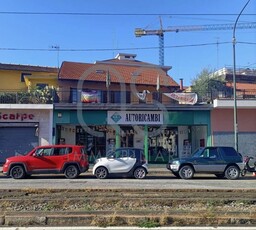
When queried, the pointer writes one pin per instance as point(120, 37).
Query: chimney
point(181, 83)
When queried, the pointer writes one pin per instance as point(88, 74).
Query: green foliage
point(8, 98)
point(207, 85)
point(33, 96)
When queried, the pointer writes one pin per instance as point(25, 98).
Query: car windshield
point(198, 152)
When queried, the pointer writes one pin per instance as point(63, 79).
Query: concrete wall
point(222, 122)
point(42, 114)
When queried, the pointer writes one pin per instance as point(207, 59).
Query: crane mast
point(160, 32)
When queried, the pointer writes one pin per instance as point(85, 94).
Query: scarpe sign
point(16, 116)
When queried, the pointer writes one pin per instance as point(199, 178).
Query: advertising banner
point(183, 98)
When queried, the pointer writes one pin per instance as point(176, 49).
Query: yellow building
point(24, 77)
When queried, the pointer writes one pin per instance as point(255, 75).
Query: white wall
point(68, 132)
point(42, 114)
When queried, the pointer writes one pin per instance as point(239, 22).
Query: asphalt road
point(130, 228)
point(152, 181)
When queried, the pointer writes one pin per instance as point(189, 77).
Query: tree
point(207, 85)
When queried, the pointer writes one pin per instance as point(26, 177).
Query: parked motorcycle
point(249, 166)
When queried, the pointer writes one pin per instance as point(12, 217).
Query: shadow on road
point(149, 177)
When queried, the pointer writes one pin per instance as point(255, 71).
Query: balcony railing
point(58, 97)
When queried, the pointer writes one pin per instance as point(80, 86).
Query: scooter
point(249, 167)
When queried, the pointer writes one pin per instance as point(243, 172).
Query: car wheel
point(140, 173)
point(71, 172)
point(101, 173)
point(220, 176)
point(186, 172)
point(232, 172)
point(18, 172)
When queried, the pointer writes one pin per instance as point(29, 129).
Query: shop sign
point(16, 116)
point(135, 117)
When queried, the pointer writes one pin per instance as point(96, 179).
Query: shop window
point(127, 136)
point(163, 145)
point(95, 145)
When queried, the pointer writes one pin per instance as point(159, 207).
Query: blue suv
point(224, 162)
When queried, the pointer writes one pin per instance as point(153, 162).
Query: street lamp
point(234, 78)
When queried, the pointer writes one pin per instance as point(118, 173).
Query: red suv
point(58, 159)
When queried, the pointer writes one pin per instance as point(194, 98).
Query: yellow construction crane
point(160, 33)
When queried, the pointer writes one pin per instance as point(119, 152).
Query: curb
point(124, 220)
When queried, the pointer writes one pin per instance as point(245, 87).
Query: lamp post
point(234, 77)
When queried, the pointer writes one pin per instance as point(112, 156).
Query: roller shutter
point(17, 139)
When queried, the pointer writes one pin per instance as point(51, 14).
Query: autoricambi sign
point(135, 117)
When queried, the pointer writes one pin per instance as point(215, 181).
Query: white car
point(122, 162)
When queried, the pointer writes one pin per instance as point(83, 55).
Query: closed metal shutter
point(17, 140)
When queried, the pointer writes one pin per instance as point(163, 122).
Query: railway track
point(100, 207)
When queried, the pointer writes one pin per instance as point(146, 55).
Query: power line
point(109, 49)
point(119, 14)
point(247, 43)
point(116, 49)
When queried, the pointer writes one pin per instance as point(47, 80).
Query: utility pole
point(234, 77)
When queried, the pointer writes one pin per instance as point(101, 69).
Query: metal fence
point(54, 97)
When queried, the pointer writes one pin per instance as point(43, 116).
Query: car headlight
point(175, 163)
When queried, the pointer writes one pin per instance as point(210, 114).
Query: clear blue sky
point(101, 36)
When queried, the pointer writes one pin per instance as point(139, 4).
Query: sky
point(48, 32)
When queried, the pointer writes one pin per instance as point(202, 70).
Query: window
point(41, 85)
point(205, 153)
point(22, 76)
point(213, 153)
point(44, 152)
point(229, 152)
point(74, 95)
point(132, 153)
point(157, 96)
point(125, 153)
point(63, 151)
point(115, 97)
point(118, 97)
point(210, 153)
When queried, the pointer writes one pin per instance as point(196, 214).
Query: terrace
point(54, 96)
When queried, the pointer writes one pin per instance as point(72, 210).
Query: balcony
point(68, 97)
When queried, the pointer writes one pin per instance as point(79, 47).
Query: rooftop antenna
point(57, 48)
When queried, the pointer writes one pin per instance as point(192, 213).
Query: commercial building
point(126, 102)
